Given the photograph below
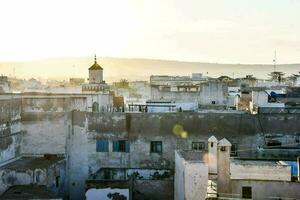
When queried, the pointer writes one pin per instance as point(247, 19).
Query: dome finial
point(95, 58)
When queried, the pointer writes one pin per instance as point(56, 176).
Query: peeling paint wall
point(10, 178)
point(44, 134)
point(175, 130)
point(267, 189)
point(191, 179)
point(44, 176)
point(208, 92)
point(10, 128)
point(260, 172)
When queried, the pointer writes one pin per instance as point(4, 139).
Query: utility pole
point(275, 61)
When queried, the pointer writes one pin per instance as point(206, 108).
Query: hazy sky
point(223, 31)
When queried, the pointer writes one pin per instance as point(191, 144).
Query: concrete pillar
point(224, 188)
point(212, 158)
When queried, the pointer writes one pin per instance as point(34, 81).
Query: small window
point(273, 143)
point(223, 148)
point(95, 107)
point(57, 181)
point(233, 150)
point(198, 146)
point(102, 146)
point(247, 192)
point(211, 145)
point(156, 147)
point(121, 146)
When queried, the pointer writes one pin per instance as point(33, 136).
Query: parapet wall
point(220, 124)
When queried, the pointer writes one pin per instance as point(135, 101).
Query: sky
point(218, 31)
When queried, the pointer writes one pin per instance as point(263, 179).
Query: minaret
point(95, 73)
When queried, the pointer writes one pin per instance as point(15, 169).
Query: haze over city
point(214, 31)
point(150, 99)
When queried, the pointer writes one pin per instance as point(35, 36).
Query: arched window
point(95, 107)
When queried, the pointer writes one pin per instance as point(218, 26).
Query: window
point(198, 146)
point(273, 143)
point(57, 181)
point(121, 146)
point(102, 146)
point(233, 150)
point(156, 147)
point(247, 192)
point(95, 107)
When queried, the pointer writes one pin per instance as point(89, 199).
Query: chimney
point(223, 165)
point(212, 158)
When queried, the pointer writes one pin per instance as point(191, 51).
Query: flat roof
point(257, 162)
point(26, 163)
point(192, 156)
point(28, 192)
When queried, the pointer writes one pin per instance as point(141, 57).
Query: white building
point(4, 85)
point(96, 82)
point(260, 98)
point(213, 175)
point(95, 73)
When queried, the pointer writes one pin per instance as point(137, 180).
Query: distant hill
point(133, 69)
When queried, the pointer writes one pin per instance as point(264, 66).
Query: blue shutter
point(127, 146)
point(115, 146)
point(102, 146)
point(106, 146)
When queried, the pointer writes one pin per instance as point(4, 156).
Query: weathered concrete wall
point(175, 130)
point(12, 177)
point(222, 124)
point(208, 92)
point(262, 190)
point(41, 176)
point(252, 171)
point(52, 103)
point(179, 178)
point(153, 189)
point(77, 161)
point(191, 179)
point(247, 131)
point(10, 131)
point(196, 178)
point(44, 133)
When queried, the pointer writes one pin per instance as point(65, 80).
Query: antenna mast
point(274, 61)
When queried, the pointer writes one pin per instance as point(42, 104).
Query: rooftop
point(258, 162)
point(95, 66)
point(28, 192)
point(192, 156)
point(26, 163)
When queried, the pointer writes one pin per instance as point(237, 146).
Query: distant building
point(76, 81)
point(5, 86)
point(96, 82)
